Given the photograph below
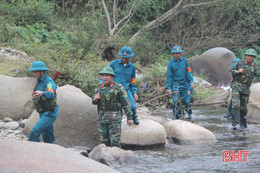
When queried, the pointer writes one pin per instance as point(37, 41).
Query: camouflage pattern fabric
point(43, 104)
point(239, 108)
point(109, 134)
point(242, 81)
point(241, 90)
point(113, 98)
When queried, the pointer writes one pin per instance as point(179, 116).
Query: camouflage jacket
point(242, 81)
point(113, 98)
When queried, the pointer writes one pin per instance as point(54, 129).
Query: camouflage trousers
point(110, 133)
point(239, 108)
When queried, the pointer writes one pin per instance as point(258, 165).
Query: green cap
point(250, 52)
point(107, 70)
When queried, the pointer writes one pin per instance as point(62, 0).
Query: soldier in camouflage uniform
point(243, 74)
point(111, 97)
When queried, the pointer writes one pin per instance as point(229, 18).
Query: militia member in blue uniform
point(44, 98)
point(111, 97)
point(243, 74)
point(179, 81)
point(126, 76)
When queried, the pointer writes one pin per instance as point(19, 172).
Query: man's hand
point(188, 93)
point(240, 70)
point(192, 85)
point(169, 91)
point(129, 122)
point(97, 96)
point(136, 97)
point(162, 89)
point(37, 94)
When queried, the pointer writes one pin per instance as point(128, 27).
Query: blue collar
point(121, 62)
point(42, 78)
point(180, 59)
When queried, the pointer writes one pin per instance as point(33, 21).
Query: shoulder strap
point(42, 84)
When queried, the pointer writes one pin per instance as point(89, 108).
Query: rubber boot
point(228, 115)
point(135, 119)
point(190, 118)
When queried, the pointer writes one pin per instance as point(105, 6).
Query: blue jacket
point(178, 73)
point(49, 88)
point(125, 75)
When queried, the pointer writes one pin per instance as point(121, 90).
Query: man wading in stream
point(243, 74)
point(179, 81)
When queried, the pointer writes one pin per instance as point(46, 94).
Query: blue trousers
point(187, 105)
point(132, 101)
point(230, 106)
point(179, 102)
point(44, 127)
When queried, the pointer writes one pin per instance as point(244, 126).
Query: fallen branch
point(155, 98)
point(206, 104)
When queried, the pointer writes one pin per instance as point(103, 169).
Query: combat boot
point(243, 124)
point(177, 117)
point(135, 119)
point(234, 125)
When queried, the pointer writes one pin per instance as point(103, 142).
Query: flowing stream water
point(204, 157)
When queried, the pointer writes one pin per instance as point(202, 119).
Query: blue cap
point(38, 66)
point(176, 49)
point(234, 61)
point(126, 52)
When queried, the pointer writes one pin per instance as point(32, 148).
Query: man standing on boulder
point(126, 76)
point(179, 81)
point(44, 98)
point(111, 97)
point(243, 74)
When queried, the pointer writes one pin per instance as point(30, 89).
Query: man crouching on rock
point(111, 97)
point(44, 98)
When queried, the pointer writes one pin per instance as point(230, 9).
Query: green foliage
point(28, 12)
point(201, 93)
point(37, 34)
point(240, 53)
point(80, 73)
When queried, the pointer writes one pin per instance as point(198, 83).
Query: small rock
point(22, 123)
point(2, 124)
point(17, 132)
point(8, 119)
point(11, 125)
point(163, 107)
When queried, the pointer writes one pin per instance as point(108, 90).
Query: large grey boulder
point(148, 134)
point(183, 132)
point(215, 63)
point(16, 100)
point(77, 122)
point(253, 115)
point(32, 157)
point(111, 156)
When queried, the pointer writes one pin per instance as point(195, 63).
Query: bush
point(80, 73)
point(28, 12)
